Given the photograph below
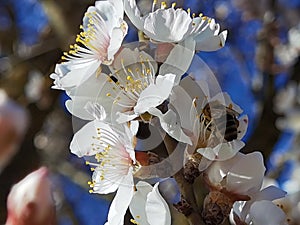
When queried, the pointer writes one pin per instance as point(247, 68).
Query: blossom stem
point(186, 189)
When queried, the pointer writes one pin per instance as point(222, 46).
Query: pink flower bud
point(30, 201)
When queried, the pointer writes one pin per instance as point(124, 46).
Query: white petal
point(270, 193)
point(95, 91)
point(96, 135)
point(95, 110)
point(207, 153)
point(243, 125)
point(119, 7)
point(224, 99)
point(237, 208)
point(108, 183)
point(108, 12)
point(204, 164)
point(75, 77)
point(131, 59)
point(219, 169)
point(199, 88)
point(223, 151)
point(169, 122)
point(209, 38)
point(117, 37)
point(125, 117)
point(227, 150)
point(84, 93)
point(134, 127)
point(260, 209)
point(138, 203)
point(121, 202)
point(157, 209)
point(212, 43)
point(167, 25)
point(243, 177)
point(133, 13)
point(82, 140)
point(183, 105)
point(155, 94)
point(179, 65)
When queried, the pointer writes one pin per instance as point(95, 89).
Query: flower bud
point(30, 201)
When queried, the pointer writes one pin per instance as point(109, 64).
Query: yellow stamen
point(163, 5)
point(134, 221)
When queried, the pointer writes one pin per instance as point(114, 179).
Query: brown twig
point(186, 188)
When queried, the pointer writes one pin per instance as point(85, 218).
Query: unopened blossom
point(30, 201)
point(13, 126)
point(255, 210)
point(176, 25)
point(103, 31)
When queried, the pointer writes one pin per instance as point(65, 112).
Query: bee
point(217, 118)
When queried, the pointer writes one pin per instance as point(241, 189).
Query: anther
point(163, 5)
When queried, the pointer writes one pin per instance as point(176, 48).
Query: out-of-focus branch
point(266, 134)
point(57, 21)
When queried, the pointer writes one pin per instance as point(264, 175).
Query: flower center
point(131, 81)
point(92, 41)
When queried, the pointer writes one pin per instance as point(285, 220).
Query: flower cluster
point(124, 90)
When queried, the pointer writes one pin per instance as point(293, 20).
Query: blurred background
point(259, 67)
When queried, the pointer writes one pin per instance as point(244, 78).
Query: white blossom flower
point(222, 144)
point(287, 53)
point(255, 210)
point(237, 175)
point(124, 90)
point(285, 98)
point(113, 149)
point(213, 146)
point(102, 34)
point(291, 121)
point(175, 25)
point(132, 92)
